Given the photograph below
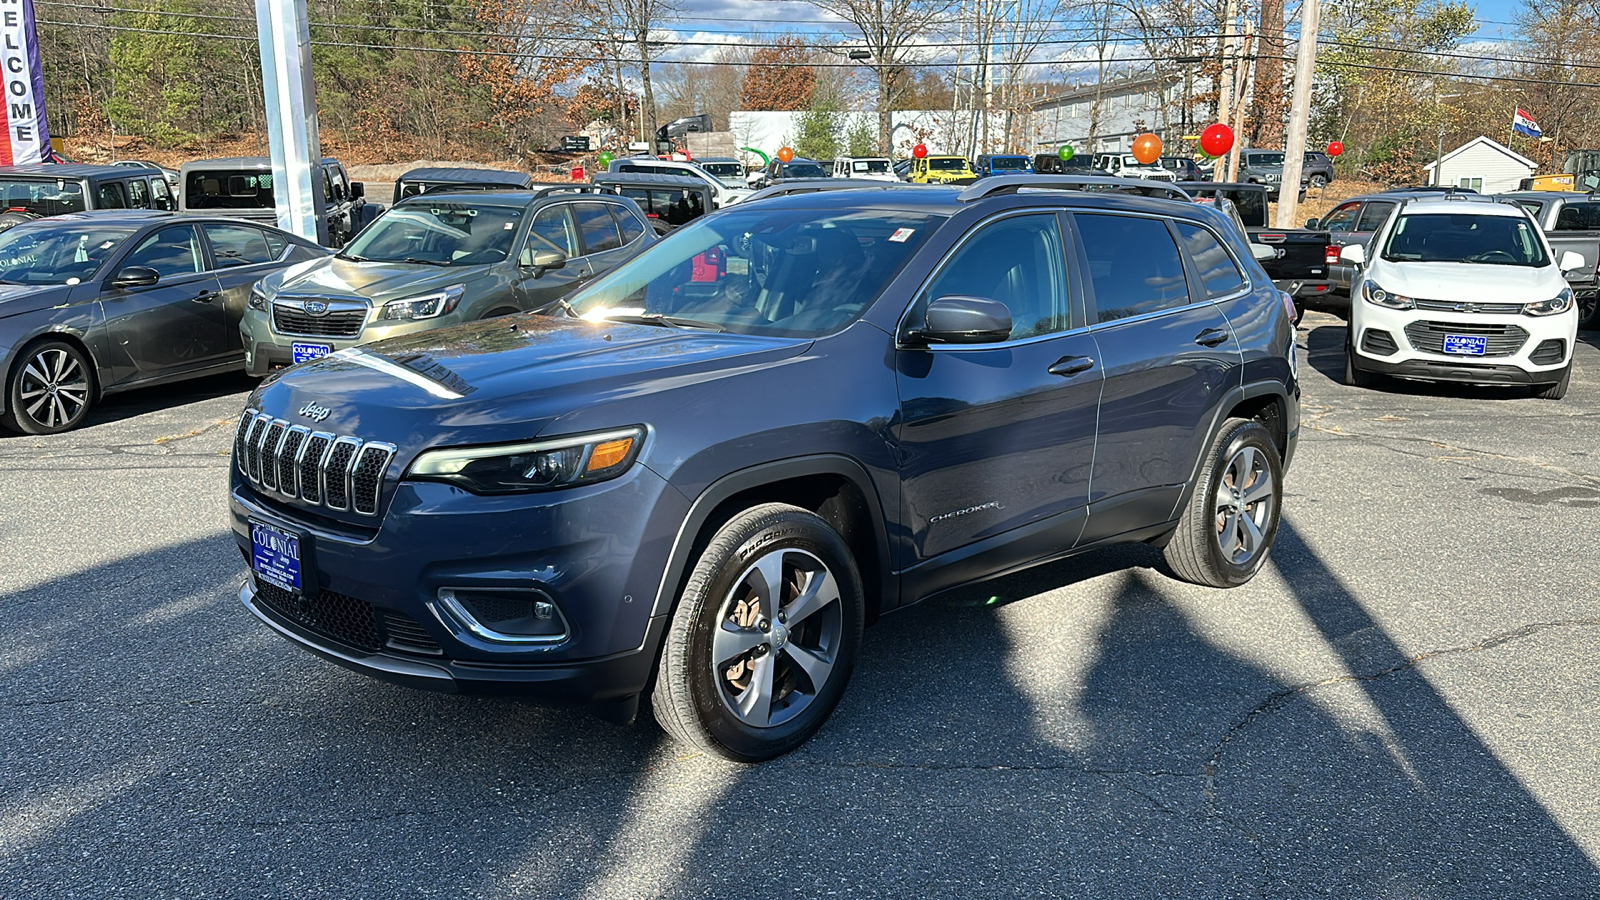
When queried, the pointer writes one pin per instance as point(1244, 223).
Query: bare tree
point(889, 30)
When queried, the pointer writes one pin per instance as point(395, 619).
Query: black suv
point(732, 452)
point(33, 192)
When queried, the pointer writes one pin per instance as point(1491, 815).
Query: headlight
point(258, 297)
point(1377, 296)
point(535, 466)
point(427, 306)
point(1560, 303)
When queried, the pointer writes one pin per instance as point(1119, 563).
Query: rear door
point(1169, 356)
point(176, 325)
point(241, 255)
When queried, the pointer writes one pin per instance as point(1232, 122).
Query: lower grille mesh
point(348, 620)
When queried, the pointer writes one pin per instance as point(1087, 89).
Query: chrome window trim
point(450, 610)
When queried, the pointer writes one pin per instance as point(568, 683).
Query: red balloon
point(1146, 149)
point(1335, 148)
point(920, 151)
point(1216, 140)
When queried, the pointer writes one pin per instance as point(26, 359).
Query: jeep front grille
point(336, 472)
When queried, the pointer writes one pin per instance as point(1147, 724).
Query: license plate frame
point(278, 556)
point(1465, 344)
point(306, 351)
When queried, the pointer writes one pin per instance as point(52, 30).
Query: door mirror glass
point(1263, 252)
point(964, 320)
point(1355, 254)
point(136, 276)
point(1311, 224)
point(358, 190)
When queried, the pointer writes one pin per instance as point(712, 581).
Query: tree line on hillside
point(1396, 79)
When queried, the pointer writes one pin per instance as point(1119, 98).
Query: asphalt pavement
point(1405, 703)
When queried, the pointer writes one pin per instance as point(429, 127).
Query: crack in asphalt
point(1386, 442)
point(1280, 699)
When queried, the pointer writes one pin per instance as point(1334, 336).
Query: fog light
point(504, 615)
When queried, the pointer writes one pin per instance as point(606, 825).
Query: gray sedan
point(104, 301)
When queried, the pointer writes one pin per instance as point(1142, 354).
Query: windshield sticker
point(901, 235)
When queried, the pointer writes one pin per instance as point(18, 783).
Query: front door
point(177, 324)
point(999, 437)
point(1169, 357)
point(552, 229)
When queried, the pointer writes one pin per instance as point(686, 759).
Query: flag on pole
point(24, 135)
point(1523, 124)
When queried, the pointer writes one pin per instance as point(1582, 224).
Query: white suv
point(871, 168)
point(1463, 290)
point(1126, 165)
point(721, 194)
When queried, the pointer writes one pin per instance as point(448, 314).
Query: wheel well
point(1268, 410)
point(36, 340)
point(834, 498)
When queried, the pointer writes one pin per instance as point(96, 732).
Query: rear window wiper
point(660, 319)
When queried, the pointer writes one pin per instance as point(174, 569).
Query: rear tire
point(764, 637)
point(1231, 519)
point(1319, 181)
point(1589, 311)
point(1557, 390)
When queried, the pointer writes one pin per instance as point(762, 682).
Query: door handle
point(1211, 337)
point(1068, 366)
point(204, 297)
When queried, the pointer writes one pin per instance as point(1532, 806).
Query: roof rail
point(1011, 184)
point(815, 185)
point(575, 189)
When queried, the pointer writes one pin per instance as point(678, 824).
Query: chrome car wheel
point(1244, 506)
point(777, 638)
point(51, 390)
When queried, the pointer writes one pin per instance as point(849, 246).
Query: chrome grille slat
point(1488, 309)
point(340, 323)
point(319, 468)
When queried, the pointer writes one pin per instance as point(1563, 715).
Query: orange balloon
point(1146, 149)
point(785, 154)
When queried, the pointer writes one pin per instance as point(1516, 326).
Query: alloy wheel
point(54, 388)
point(777, 637)
point(1244, 505)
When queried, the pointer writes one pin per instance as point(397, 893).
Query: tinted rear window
point(673, 206)
point(1578, 217)
point(228, 189)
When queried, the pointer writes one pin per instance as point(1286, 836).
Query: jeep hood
point(504, 379)
point(332, 277)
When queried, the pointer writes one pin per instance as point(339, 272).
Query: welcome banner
point(24, 136)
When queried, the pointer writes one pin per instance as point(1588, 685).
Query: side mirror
point(541, 261)
point(1355, 254)
point(1263, 252)
point(135, 277)
point(1311, 224)
point(964, 320)
point(358, 190)
point(1570, 261)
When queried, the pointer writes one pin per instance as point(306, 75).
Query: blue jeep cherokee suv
point(732, 452)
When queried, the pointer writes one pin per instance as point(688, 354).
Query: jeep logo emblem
point(314, 412)
point(316, 307)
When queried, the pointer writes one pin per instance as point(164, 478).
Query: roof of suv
point(508, 197)
point(468, 176)
point(69, 170)
point(1461, 203)
point(948, 200)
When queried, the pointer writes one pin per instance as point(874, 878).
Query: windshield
point(1011, 163)
point(789, 272)
point(228, 189)
point(42, 198)
point(803, 170)
point(723, 169)
point(1265, 159)
point(947, 163)
point(870, 166)
point(443, 233)
point(1466, 238)
point(56, 253)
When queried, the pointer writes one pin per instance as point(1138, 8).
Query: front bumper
point(378, 600)
point(1373, 328)
point(266, 350)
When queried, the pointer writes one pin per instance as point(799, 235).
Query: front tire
point(764, 637)
point(1319, 181)
point(1557, 390)
point(51, 389)
point(1232, 516)
point(1353, 376)
point(1589, 311)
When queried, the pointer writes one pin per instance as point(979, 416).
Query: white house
point(1485, 166)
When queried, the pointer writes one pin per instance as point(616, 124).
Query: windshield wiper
point(424, 262)
point(660, 319)
point(352, 257)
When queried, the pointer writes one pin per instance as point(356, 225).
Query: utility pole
point(1294, 151)
point(1243, 78)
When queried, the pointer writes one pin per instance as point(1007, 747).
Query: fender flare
point(756, 476)
point(1233, 398)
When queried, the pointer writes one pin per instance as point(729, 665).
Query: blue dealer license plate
point(1466, 344)
point(275, 556)
point(304, 352)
